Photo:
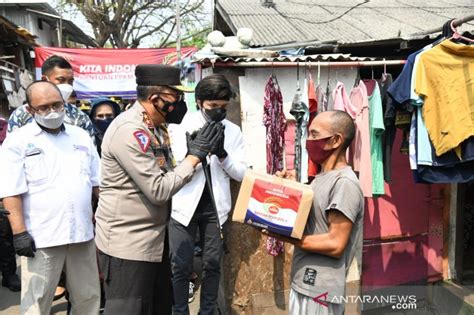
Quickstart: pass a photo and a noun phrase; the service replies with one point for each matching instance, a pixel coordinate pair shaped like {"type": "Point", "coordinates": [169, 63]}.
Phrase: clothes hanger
{"type": "Point", "coordinates": [458, 36]}
{"type": "Point", "coordinates": [310, 77]}
{"type": "Point", "coordinates": [298, 76]}
{"type": "Point", "coordinates": [319, 73]}
{"type": "Point", "coordinates": [384, 74]}
{"type": "Point", "coordinates": [357, 79]}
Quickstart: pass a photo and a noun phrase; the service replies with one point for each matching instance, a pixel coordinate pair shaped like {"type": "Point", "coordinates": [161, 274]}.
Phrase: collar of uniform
{"type": "Point", "coordinates": [37, 129]}
{"type": "Point", "coordinates": [138, 110]}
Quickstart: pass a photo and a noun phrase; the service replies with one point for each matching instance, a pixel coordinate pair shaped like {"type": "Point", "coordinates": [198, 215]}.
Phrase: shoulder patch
{"type": "Point", "coordinates": [143, 139]}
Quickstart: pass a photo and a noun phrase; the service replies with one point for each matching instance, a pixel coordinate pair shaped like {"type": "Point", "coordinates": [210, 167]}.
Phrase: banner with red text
{"type": "Point", "coordinates": [108, 72]}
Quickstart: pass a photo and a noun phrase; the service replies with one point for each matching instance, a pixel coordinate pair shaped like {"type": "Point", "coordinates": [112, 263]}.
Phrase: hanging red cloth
{"type": "Point", "coordinates": [274, 121]}
{"type": "Point", "coordinates": [313, 111]}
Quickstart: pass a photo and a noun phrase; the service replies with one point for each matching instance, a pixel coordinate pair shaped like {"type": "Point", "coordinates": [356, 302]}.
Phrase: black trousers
{"type": "Point", "coordinates": [7, 252]}
{"type": "Point", "coordinates": [182, 240]}
{"type": "Point", "coordinates": [136, 287]}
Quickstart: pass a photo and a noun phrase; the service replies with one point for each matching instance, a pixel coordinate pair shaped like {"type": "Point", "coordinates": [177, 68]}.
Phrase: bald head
{"type": "Point", "coordinates": [41, 93]}
{"type": "Point", "coordinates": [334, 122]}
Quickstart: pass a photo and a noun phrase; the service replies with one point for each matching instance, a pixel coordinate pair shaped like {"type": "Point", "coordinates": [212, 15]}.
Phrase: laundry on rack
{"type": "Point", "coordinates": [435, 85]}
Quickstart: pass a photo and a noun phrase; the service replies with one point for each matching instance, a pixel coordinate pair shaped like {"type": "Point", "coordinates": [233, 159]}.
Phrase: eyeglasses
{"type": "Point", "coordinates": [46, 109]}
{"type": "Point", "coordinates": [179, 96]}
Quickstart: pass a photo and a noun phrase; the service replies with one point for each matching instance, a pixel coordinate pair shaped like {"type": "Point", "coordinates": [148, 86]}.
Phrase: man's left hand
{"type": "Point", "coordinates": [218, 149]}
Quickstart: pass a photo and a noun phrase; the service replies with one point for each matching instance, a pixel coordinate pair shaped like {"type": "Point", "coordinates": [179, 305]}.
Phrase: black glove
{"type": "Point", "coordinates": [218, 148]}
{"type": "Point", "coordinates": [200, 145]}
{"type": "Point", "coordinates": [24, 244]}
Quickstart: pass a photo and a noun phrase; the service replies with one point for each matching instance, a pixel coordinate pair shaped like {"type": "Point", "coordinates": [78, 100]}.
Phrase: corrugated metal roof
{"type": "Point", "coordinates": [344, 21]}
{"type": "Point", "coordinates": [307, 58]}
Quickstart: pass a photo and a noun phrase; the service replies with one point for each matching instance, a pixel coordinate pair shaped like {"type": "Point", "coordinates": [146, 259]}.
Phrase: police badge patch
{"type": "Point", "coordinates": [143, 140]}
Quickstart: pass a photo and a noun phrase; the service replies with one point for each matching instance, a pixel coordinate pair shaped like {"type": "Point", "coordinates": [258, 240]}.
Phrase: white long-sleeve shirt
{"type": "Point", "coordinates": [185, 201]}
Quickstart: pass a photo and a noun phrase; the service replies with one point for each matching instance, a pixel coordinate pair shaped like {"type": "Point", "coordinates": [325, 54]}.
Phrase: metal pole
{"type": "Point", "coordinates": [60, 31]}
{"type": "Point", "coordinates": [178, 32]}
{"type": "Point", "coordinates": [58, 26]}
{"type": "Point", "coordinates": [456, 23]}
{"type": "Point", "coordinates": [278, 64]}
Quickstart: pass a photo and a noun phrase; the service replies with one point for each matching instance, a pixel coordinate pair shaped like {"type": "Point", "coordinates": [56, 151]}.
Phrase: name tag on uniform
{"type": "Point", "coordinates": [33, 152]}
{"type": "Point", "coordinates": [81, 148]}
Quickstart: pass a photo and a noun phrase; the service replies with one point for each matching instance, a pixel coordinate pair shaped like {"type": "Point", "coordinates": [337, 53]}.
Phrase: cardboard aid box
{"type": "Point", "coordinates": [276, 204]}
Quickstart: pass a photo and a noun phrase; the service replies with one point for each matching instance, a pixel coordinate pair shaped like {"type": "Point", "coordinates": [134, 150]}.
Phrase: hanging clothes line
{"type": "Point", "coordinates": [256, 64]}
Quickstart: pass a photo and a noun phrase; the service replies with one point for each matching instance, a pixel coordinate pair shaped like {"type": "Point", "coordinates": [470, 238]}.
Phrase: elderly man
{"type": "Point", "coordinates": [139, 177]}
{"type": "Point", "coordinates": [333, 232]}
{"type": "Point", "coordinates": [49, 172]}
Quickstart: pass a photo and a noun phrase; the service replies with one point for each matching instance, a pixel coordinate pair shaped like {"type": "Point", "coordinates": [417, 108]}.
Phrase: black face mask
{"type": "Point", "coordinates": [175, 111]}
{"type": "Point", "coordinates": [103, 124]}
{"type": "Point", "coordinates": [216, 114]}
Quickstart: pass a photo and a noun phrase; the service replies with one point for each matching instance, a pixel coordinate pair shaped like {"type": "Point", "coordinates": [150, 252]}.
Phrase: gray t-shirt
{"type": "Point", "coordinates": [315, 274]}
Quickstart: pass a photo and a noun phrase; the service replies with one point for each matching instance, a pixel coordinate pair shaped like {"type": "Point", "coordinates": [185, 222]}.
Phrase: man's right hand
{"type": "Point", "coordinates": [24, 244]}
{"type": "Point", "coordinates": [201, 144]}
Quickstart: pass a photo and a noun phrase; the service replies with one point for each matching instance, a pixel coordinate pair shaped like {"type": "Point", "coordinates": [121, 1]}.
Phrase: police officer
{"type": "Point", "coordinates": [139, 177]}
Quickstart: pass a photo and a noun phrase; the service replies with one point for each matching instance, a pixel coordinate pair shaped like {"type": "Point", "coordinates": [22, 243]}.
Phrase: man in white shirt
{"type": "Point", "coordinates": [192, 206]}
{"type": "Point", "coordinates": [49, 172]}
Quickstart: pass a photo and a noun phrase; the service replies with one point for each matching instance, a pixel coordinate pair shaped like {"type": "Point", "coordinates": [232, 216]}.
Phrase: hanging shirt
{"type": "Point", "coordinates": [377, 127]}
{"type": "Point", "coordinates": [412, 144]}
{"type": "Point", "coordinates": [425, 151]}
{"type": "Point", "coordinates": [329, 99]}
{"type": "Point", "coordinates": [360, 147]}
{"type": "Point", "coordinates": [444, 77]}
{"type": "Point", "coordinates": [322, 99]}
{"type": "Point", "coordinates": [342, 101]}
{"type": "Point", "coordinates": [390, 129]}
{"type": "Point", "coordinates": [400, 89]}
{"type": "Point", "coordinates": [423, 146]}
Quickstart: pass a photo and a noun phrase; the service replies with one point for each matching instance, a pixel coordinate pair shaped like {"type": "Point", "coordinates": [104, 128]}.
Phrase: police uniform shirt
{"type": "Point", "coordinates": [136, 189]}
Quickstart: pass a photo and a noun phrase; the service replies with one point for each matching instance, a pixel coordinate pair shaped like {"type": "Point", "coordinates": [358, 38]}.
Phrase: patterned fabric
{"type": "Point", "coordinates": [160, 143]}
{"type": "Point", "coordinates": [322, 99]}
{"type": "Point", "coordinates": [275, 123]}
{"type": "Point", "coordinates": [73, 116]}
